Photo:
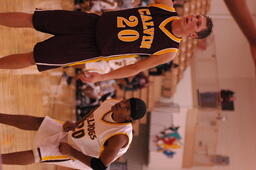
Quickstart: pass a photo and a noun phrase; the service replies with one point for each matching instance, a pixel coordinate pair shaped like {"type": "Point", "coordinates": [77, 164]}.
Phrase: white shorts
{"type": "Point", "coordinates": [47, 141]}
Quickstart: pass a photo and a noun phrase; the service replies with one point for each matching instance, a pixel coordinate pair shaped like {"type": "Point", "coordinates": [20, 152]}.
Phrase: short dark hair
{"type": "Point", "coordinates": [138, 108]}
{"type": "Point", "coordinates": [206, 32]}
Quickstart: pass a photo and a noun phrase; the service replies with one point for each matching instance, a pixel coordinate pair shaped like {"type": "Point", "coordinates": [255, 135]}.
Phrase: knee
{"type": "Point", "coordinates": [30, 20]}
{"type": "Point", "coordinates": [27, 19]}
{"type": "Point", "coordinates": [30, 58]}
{"type": "Point", "coordinates": [38, 122]}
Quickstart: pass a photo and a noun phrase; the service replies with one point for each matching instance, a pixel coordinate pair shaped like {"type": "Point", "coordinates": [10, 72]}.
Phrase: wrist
{"type": "Point", "coordinates": [71, 152]}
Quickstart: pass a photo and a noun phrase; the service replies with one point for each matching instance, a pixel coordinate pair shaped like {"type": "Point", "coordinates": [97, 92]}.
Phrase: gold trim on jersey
{"type": "Point", "coordinates": [110, 136]}
{"type": "Point", "coordinates": [166, 31]}
{"type": "Point", "coordinates": [167, 50]}
{"type": "Point", "coordinates": [103, 59]}
{"type": "Point", "coordinates": [164, 7]}
{"type": "Point", "coordinates": [59, 121]}
{"type": "Point", "coordinates": [52, 158]}
{"type": "Point", "coordinates": [112, 123]}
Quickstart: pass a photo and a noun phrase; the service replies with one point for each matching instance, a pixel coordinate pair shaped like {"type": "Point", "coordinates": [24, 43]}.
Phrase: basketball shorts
{"type": "Point", "coordinates": [46, 150]}
{"type": "Point", "coordinates": [73, 40]}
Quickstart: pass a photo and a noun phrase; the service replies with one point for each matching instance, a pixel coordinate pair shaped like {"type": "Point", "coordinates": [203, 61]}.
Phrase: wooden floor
{"type": "Point", "coordinates": [26, 91]}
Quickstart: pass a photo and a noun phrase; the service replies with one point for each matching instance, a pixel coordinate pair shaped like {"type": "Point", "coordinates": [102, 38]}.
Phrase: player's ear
{"type": "Point", "coordinates": [193, 35]}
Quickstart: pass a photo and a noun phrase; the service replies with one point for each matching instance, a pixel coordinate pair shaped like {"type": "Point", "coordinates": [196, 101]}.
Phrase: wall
{"type": "Point", "coordinates": [161, 119]}
{"type": "Point", "coordinates": [235, 71]}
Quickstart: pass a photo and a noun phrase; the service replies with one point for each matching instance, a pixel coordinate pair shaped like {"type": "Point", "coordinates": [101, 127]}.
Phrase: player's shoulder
{"type": "Point", "coordinates": [163, 6]}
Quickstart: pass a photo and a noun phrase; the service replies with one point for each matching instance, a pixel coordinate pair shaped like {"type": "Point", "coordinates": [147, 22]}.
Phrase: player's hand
{"type": "Point", "coordinates": [68, 126]}
{"type": "Point", "coordinates": [90, 77]}
{"type": "Point", "coordinates": [65, 148]}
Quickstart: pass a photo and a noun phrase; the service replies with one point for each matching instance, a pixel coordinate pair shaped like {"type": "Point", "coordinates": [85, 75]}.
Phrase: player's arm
{"type": "Point", "coordinates": [113, 145]}
{"type": "Point", "coordinates": [129, 70]}
{"type": "Point", "coordinates": [243, 17]}
{"type": "Point", "coordinates": [241, 13]}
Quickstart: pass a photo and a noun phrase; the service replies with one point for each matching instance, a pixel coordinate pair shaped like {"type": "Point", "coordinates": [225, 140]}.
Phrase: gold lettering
{"type": "Point", "coordinates": [146, 18]}
{"type": "Point", "coordinates": [128, 35]}
{"type": "Point", "coordinates": [149, 31]}
{"type": "Point", "coordinates": [148, 28]}
{"type": "Point", "coordinates": [145, 45]}
{"type": "Point", "coordinates": [144, 12]}
{"type": "Point", "coordinates": [147, 24]}
{"type": "Point", "coordinates": [123, 22]}
{"type": "Point", "coordinates": [146, 41]}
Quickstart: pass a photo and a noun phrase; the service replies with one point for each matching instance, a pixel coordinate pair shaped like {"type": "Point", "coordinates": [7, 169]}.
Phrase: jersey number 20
{"type": "Point", "coordinates": [127, 35]}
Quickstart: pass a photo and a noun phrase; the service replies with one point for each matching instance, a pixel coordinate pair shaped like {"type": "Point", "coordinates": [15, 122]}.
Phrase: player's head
{"type": "Point", "coordinates": [129, 110]}
{"type": "Point", "coordinates": [196, 26]}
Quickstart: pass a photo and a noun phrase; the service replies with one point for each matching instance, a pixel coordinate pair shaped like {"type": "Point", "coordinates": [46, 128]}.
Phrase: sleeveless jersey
{"type": "Point", "coordinates": [91, 135]}
{"type": "Point", "coordinates": [142, 31]}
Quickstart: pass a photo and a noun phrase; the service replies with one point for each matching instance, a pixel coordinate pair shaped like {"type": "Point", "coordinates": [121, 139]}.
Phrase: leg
{"type": "Point", "coordinates": [16, 19]}
{"type": "Point", "coordinates": [18, 158]}
{"type": "Point", "coordinates": [17, 61]}
{"type": "Point", "coordinates": [21, 121]}
{"type": "Point", "coordinates": [241, 13]}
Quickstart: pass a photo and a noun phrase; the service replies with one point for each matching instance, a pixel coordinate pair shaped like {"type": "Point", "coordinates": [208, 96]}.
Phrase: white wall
{"type": "Point", "coordinates": [159, 121]}
{"type": "Point", "coordinates": [183, 94]}
{"type": "Point", "coordinates": [237, 135]}
{"type": "Point", "coordinates": [162, 119]}
{"type": "Point", "coordinates": [236, 71]}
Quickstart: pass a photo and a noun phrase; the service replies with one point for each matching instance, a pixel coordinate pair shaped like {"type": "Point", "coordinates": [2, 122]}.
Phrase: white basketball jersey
{"type": "Point", "coordinates": [91, 135]}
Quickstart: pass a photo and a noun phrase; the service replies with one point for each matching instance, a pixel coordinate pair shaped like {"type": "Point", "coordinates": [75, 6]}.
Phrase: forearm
{"type": "Point", "coordinates": [122, 72]}
{"type": "Point", "coordinates": [81, 157]}
{"type": "Point", "coordinates": [243, 17]}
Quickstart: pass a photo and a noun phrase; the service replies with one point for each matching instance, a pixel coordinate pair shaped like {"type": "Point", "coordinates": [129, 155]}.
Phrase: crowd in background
{"type": "Point", "coordinates": [90, 95]}
{"type": "Point", "coordinates": [99, 6]}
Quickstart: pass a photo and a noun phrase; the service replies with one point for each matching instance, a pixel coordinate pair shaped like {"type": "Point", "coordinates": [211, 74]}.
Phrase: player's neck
{"type": "Point", "coordinates": [113, 116]}
{"type": "Point", "coordinates": [176, 28]}
{"type": "Point", "coordinates": [109, 117]}
{"type": "Point", "coordinates": [117, 120]}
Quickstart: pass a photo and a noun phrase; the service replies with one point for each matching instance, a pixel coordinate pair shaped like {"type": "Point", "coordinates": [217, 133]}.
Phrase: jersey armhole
{"type": "Point", "coordinates": [164, 7]}
{"type": "Point", "coordinates": [167, 50]}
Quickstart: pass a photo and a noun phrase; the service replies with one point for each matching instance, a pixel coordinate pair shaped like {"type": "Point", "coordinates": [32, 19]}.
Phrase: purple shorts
{"type": "Point", "coordinates": [74, 38]}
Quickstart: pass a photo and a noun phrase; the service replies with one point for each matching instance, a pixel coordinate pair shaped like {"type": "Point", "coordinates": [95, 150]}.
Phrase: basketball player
{"type": "Point", "coordinates": [94, 142]}
{"type": "Point", "coordinates": [155, 31]}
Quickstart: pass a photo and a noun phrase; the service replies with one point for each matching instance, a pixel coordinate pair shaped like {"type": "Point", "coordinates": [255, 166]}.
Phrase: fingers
{"type": "Point", "coordinates": [67, 129]}
{"type": "Point", "coordinates": [68, 126]}
{"type": "Point", "coordinates": [82, 77]}
{"type": "Point", "coordinates": [60, 147]}
{"type": "Point", "coordinates": [65, 148]}
{"type": "Point", "coordinates": [86, 77]}
{"type": "Point", "coordinates": [89, 77]}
